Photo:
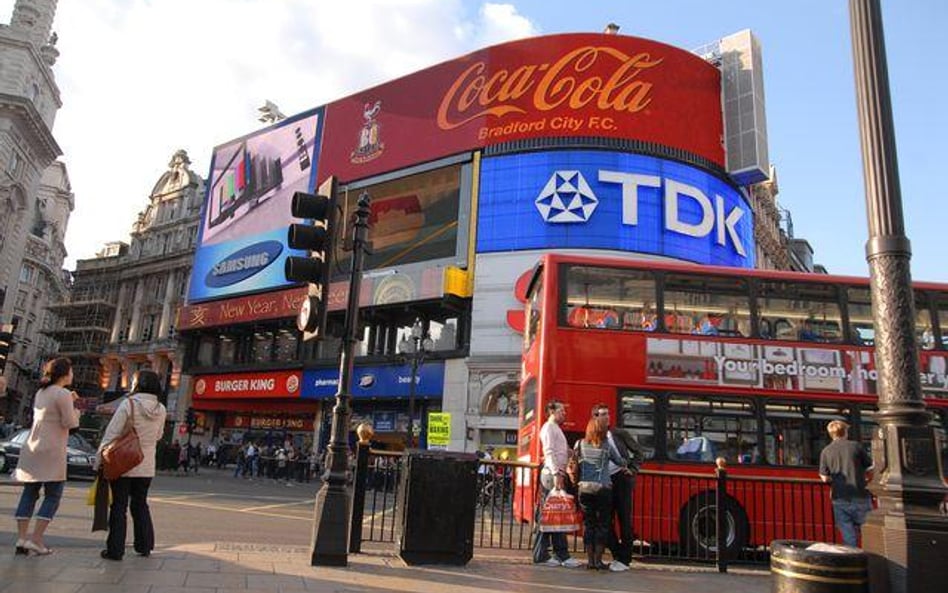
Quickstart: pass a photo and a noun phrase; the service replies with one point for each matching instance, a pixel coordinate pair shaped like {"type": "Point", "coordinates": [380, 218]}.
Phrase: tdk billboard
{"type": "Point", "coordinates": [589, 199]}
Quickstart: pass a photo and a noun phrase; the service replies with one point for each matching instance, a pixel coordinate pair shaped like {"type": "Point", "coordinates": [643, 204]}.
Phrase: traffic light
{"type": "Point", "coordinates": [190, 419]}
{"type": "Point", "coordinates": [316, 238]}
{"type": "Point", "coordinates": [6, 344]}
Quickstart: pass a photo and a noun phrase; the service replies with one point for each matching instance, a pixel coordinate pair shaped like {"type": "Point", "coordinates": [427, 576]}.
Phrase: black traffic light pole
{"type": "Point", "coordinates": [331, 521]}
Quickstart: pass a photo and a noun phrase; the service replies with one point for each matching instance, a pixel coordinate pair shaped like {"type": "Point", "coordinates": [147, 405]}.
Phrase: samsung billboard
{"type": "Point", "coordinates": [242, 237]}
{"type": "Point", "coordinates": [587, 199]}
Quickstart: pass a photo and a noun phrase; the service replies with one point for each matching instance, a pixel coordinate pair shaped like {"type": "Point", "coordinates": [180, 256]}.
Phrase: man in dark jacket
{"type": "Point", "coordinates": [623, 485]}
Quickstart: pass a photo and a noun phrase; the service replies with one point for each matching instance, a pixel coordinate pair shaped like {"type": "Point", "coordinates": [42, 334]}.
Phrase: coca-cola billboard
{"type": "Point", "coordinates": [571, 85]}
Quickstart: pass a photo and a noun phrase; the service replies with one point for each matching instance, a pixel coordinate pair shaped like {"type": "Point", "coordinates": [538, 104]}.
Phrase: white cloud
{"type": "Point", "coordinates": [141, 78]}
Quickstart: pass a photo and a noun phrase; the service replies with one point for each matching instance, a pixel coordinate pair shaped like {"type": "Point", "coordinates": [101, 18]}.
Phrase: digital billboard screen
{"type": "Point", "coordinates": [412, 219]}
{"type": "Point", "coordinates": [585, 199]}
{"type": "Point", "coordinates": [242, 236]}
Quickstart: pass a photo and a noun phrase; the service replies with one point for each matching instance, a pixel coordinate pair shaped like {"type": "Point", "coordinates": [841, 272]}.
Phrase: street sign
{"type": "Point", "coordinates": [439, 430]}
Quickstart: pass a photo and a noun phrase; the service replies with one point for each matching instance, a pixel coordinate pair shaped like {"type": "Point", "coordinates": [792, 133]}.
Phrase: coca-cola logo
{"type": "Point", "coordinates": [587, 77]}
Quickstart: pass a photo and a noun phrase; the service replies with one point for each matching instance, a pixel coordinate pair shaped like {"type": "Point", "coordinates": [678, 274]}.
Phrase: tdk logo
{"type": "Point", "coordinates": [566, 198]}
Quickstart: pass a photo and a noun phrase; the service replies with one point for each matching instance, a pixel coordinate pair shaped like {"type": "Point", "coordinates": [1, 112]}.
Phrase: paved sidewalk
{"type": "Point", "coordinates": [252, 568]}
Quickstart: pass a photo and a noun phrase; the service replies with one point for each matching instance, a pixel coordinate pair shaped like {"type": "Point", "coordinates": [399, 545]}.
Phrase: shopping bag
{"type": "Point", "coordinates": [102, 498]}
{"type": "Point", "coordinates": [90, 495]}
{"type": "Point", "coordinates": [558, 514]}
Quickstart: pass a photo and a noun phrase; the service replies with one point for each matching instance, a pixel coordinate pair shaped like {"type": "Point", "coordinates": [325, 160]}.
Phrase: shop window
{"type": "Point", "coordinates": [205, 351]}
{"type": "Point", "coordinates": [610, 298]}
{"type": "Point", "coordinates": [637, 416]}
{"type": "Point", "coordinates": [706, 305]}
{"type": "Point", "coordinates": [501, 400]}
{"type": "Point", "coordinates": [263, 346]}
{"type": "Point", "coordinates": [703, 428]}
{"type": "Point", "coordinates": [799, 311]}
{"type": "Point", "coordinates": [228, 351]}
{"type": "Point", "coordinates": [444, 335]}
{"type": "Point", "coordinates": [795, 432]}
{"type": "Point", "coordinates": [286, 344]}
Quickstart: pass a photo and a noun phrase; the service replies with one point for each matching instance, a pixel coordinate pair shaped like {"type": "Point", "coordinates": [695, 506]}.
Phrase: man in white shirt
{"type": "Point", "coordinates": [553, 476]}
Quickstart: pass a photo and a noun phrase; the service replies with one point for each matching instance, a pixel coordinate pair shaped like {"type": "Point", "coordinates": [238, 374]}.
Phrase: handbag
{"type": "Point", "coordinates": [123, 453]}
{"type": "Point", "coordinates": [558, 514]}
{"type": "Point", "coordinates": [592, 486]}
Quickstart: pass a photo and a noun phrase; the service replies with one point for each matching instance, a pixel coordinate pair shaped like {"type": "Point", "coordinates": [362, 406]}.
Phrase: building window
{"type": "Point", "coordinates": [20, 299]}
{"type": "Point", "coordinates": [26, 274]}
{"type": "Point", "coordinates": [148, 327]}
{"type": "Point", "coordinates": [501, 400]}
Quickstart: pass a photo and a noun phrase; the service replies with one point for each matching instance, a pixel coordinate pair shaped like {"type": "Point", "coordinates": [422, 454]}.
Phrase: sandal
{"type": "Point", "coordinates": [36, 549]}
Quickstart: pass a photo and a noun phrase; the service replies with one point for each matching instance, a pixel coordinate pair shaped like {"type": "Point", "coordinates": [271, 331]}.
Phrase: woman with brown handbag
{"type": "Point", "coordinates": [142, 413]}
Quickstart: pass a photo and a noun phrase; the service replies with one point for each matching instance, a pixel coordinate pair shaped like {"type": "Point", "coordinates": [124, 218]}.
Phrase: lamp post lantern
{"type": "Point", "coordinates": [907, 537]}
{"type": "Point", "coordinates": [331, 522]}
{"type": "Point", "coordinates": [415, 346]}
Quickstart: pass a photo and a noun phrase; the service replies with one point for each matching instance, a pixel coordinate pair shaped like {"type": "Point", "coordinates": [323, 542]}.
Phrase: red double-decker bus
{"type": "Point", "coordinates": [700, 363]}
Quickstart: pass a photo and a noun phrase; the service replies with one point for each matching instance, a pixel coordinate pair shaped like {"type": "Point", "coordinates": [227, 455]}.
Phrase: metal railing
{"type": "Point", "coordinates": [676, 516]}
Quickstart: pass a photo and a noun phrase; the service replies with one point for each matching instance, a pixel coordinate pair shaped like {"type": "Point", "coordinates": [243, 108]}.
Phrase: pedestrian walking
{"type": "Point", "coordinates": [42, 463]}
{"type": "Point", "coordinates": [844, 464]}
{"type": "Point", "coordinates": [553, 476]}
{"type": "Point", "coordinates": [147, 415]}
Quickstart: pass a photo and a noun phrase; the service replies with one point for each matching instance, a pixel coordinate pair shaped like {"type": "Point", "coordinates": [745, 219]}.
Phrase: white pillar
{"type": "Point", "coordinates": [134, 330]}
{"type": "Point", "coordinates": [119, 315]}
{"type": "Point", "coordinates": [167, 311]}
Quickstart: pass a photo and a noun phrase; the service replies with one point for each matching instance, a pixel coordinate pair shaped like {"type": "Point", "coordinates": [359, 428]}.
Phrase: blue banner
{"type": "Point", "coordinates": [588, 199]}
{"type": "Point", "coordinates": [388, 381]}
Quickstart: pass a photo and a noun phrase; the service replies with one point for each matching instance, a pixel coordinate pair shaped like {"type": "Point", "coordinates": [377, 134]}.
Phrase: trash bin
{"type": "Point", "coordinates": [437, 495]}
{"type": "Point", "coordinates": [811, 567]}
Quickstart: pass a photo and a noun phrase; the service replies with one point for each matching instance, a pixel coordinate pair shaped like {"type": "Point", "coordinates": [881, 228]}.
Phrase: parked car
{"type": "Point", "coordinates": [80, 455]}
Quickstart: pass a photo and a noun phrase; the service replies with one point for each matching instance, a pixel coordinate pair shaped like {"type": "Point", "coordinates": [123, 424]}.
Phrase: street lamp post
{"type": "Point", "coordinates": [415, 346]}
{"type": "Point", "coordinates": [907, 537]}
{"type": "Point", "coordinates": [331, 522]}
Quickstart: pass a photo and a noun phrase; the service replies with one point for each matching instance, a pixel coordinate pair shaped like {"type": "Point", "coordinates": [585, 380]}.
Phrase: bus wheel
{"type": "Point", "coordinates": [697, 527]}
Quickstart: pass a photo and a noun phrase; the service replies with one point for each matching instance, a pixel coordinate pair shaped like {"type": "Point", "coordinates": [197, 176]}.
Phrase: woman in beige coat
{"type": "Point", "coordinates": [131, 490]}
{"type": "Point", "coordinates": [42, 461]}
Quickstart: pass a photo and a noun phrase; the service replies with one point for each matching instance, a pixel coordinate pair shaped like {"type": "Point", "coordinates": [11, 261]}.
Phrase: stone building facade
{"type": "Point", "coordinates": [121, 314]}
{"type": "Point", "coordinates": [35, 194]}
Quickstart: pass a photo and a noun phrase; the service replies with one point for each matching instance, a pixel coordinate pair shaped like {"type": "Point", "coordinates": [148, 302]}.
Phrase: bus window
{"type": "Point", "coordinates": [803, 311]}
{"type": "Point", "coordinates": [706, 305]}
{"type": "Point", "coordinates": [924, 334]}
{"type": "Point", "coordinates": [638, 418]}
{"type": "Point", "coordinates": [534, 314]}
{"type": "Point", "coordinates": [702, 428]}
{"type": "Point", "coordinates": [867, 427]}
{"type": "Point", "coordinates": [941, 306]}
{"type": "Point", "coordinates": [528, 403]}
{"type": "Point", "coordinates": [610, 298]}
{"type": "Point", "coordinates": [860, 316]}
{"type": "Point", "coordinates": [795, 433]}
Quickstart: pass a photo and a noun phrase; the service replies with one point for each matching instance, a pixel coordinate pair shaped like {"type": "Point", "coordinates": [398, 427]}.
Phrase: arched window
{"type": "Point", "coordinates": [501, 400]}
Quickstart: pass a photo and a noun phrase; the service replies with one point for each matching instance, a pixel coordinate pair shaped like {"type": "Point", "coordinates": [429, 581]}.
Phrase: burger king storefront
{"type": "Point", "coordinates": [240, 406]}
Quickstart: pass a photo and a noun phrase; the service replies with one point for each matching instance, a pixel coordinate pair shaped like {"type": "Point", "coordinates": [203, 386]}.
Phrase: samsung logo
{"type": "Point", "coordinates": [243, 264]}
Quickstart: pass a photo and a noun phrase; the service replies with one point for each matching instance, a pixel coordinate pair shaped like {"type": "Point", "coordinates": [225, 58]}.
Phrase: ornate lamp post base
{"type": "Point", "coordinates": [332, 521]}
{"type": "Point", "coordinates": [907, 537]}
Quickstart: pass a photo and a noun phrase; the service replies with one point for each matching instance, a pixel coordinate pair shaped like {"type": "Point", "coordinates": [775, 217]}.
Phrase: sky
{"type": "Point", "coordinates": [140, 79]}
